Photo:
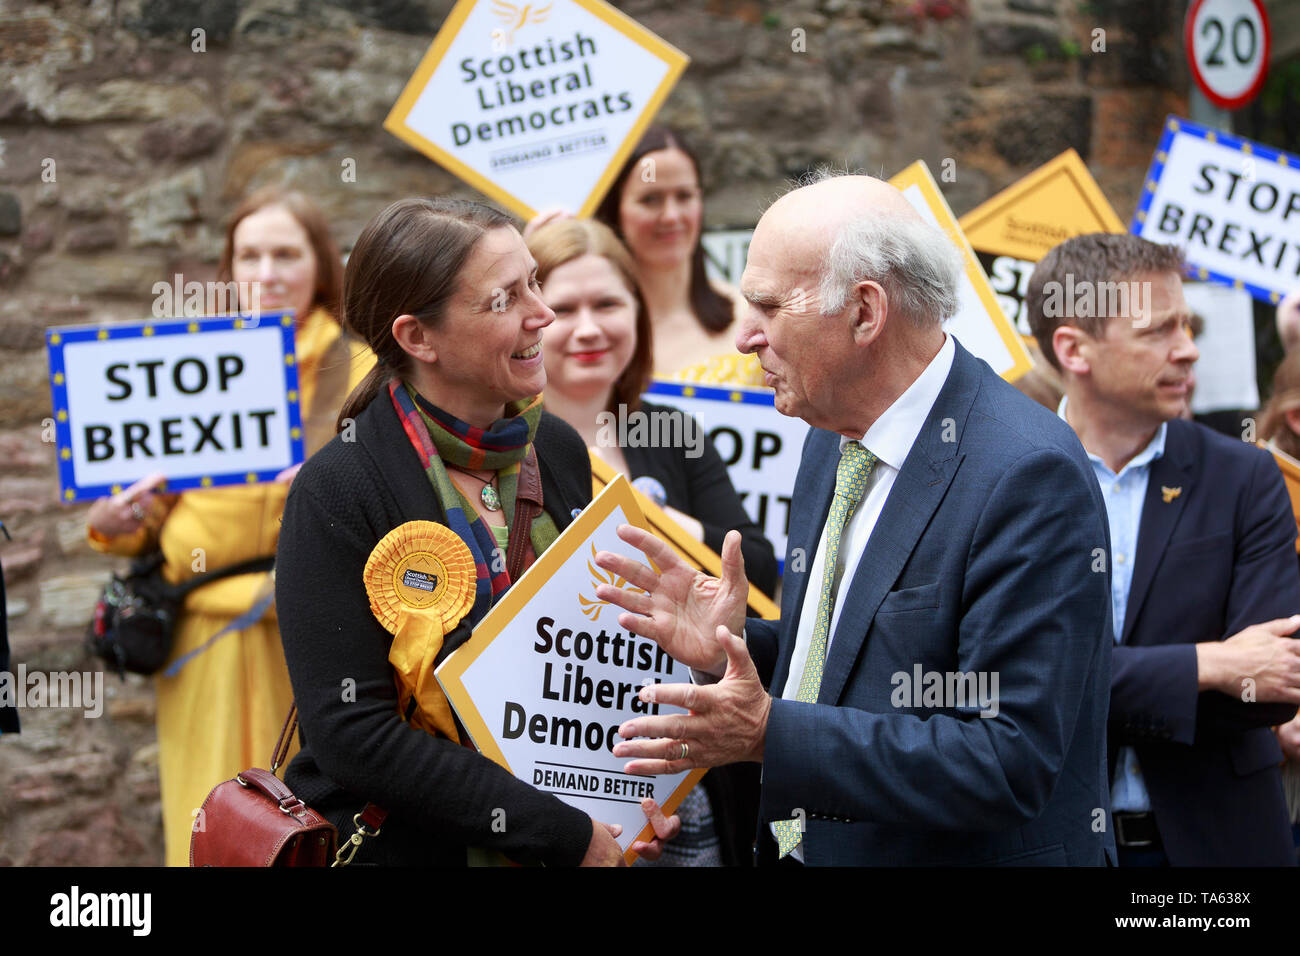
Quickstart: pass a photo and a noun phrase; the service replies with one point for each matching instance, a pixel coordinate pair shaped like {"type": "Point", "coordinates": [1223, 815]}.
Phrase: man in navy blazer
{"type": "Point", "coordinates": [1204, 576]}
{"type": "Point", "coordinates": [938, 678]}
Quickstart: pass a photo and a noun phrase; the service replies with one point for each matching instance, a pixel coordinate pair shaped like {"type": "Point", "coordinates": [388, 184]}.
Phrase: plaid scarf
{"type": "Point", "coordinates": [438, 436]}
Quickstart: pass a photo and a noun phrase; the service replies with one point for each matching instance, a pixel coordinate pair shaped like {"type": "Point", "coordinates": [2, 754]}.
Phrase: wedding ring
{"type": "Point", "coordinates": [137, 511]}
{"type": "Point", "coordinates": [686, 751]}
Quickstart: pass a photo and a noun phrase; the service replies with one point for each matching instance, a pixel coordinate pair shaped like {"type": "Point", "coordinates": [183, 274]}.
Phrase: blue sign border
{"type": "Point", "coordinates": [1175, 125]}
{"type": "Point", "coordinates": [744, 394]}
{"type": "Point", "coordinates": [57, 337]}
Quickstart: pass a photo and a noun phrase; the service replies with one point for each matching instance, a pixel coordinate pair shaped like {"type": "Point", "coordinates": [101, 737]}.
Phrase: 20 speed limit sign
{"type": "Point", "coordinates": [1227, 45]}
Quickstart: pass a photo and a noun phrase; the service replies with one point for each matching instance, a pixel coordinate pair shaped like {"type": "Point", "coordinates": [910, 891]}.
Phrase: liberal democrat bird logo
{"type": "Point", "coordinates": [1169, 494]}
{"type": "Point", "coordinates": [592, 608]}
{"type": "Point", "coordinates": [514, 17]}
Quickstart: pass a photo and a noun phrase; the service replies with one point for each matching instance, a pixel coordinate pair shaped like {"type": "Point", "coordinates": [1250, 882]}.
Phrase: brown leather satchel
{"type": "Point", "coordinates": [255, 820]}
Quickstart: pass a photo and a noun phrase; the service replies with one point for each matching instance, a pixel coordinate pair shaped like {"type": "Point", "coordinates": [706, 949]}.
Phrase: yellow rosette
{"type": "Point", "coordinates": [420, 579]}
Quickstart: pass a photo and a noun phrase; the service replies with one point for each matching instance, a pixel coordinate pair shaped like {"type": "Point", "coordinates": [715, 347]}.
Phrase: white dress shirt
{"type": "Point", "coordinates": [890, 439]}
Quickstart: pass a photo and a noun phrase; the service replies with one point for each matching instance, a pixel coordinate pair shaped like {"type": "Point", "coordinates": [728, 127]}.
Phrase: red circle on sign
{"type": "Point", "coordinates": [1213, 95]}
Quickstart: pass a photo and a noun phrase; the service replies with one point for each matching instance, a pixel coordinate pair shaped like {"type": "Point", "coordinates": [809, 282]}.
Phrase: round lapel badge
{"type": "Point", "coordinates": [424, 567]}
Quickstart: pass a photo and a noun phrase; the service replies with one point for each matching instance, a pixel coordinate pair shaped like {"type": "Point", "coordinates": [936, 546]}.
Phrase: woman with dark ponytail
{"type": "Point", "coordinates": [445, 438]}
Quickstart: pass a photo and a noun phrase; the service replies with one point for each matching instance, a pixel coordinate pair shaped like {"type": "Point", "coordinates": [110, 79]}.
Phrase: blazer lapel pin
{"type": "Point", "coordinates": [1169, 494]}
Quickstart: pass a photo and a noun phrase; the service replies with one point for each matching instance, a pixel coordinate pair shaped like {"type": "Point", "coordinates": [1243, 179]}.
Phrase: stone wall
{"type": "Point", "coordinates": [122, 148]}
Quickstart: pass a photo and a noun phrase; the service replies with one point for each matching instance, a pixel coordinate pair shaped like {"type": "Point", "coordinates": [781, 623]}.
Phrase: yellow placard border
{"type": "Point", "coordinates": [619, 493]}
{"type": "Point", "coordinates": [918, 174]}
{"type": "Point", "coordinates": [1069, 164]}
{"type": "Point", "coordinates": [395, 122]}
{"type": "Point", "coordinates": [693, 552]}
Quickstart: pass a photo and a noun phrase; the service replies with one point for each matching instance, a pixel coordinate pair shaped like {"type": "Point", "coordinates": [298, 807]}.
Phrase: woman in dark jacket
{"type": "Point", "coordinates": [443, 430]}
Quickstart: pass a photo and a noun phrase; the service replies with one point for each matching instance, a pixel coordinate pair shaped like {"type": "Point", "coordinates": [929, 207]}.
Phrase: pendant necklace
{"type": "Point", "coordinates": [491, 501]}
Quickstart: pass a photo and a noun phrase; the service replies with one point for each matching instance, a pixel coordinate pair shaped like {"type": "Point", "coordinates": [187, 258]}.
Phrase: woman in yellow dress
{"type": "Point", "coordinates": [222, 712]}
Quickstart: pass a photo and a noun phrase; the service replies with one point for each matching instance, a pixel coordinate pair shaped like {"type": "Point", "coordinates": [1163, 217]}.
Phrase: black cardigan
{"type": "Point", "coordinates": [441, 797]}
{"type": "Point", "coordinates": [701, 488]}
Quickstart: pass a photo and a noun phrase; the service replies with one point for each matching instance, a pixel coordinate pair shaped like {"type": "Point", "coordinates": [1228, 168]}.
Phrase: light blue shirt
{"type": "Point", "coordinates": [1124, 494]}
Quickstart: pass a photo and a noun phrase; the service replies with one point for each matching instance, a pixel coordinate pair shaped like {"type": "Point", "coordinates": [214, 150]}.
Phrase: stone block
{"type": "Point", "coordinates": [157, 211]}
{"type": "Point", "coordinates": [1013, 38]}
{"type": "Point", "coordinates": [21, 332]}
{"type": "Point", "coordinates": [1031, 130]}
{"type": "Point", "coordinates": [38, 238]}
{"type": "Point", "coordinates": [178, 18]}
{"type": "Point", "coordinates": [101, 838]}
{"type": "Point", "coordinates": [84, 773]}
{"type": "Point", "coordinates": [181, 140]}
{"type": "Point", "coordinates": [68, 600]}
{"type": "Point", "coordinates": [70, 532]}
{"type": "Point", "coordinates": [24, 390]}
{"type": "Point", "coordinates": [72, 279]}
{"type": "Point", "coordinates": [91, 237]}
{"type": "Point", "coordinates": [20, 559]}
{"type": "Point", "coordinates": [122, 99]}
{"type": "Point", "coordinates": [11, 215]}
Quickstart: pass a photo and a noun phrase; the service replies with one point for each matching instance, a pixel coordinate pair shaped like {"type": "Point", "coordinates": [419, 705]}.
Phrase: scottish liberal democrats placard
{"type": "Point", "coordinates": [548, 676]}
{"type": "Point", "coordinates": [536, 104]}
{"type": "Point", "coordinates": [206, 401]}
{"type": "Point", "coordinates": [1232, 204]}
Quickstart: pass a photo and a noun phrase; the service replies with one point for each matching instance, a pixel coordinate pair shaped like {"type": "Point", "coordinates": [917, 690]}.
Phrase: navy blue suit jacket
{"type": "Point", "coordinates": [985, 559]}
{"type": "Point", "coordinates": [1218, 557]}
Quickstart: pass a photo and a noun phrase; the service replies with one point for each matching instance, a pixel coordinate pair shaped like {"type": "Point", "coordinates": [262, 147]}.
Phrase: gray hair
{"type": "Point", "coordinates": [916, 264]}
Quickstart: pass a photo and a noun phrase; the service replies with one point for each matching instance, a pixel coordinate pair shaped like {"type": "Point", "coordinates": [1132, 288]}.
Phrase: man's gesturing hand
{"type": "Point", "coordinates": [681, 608]}
{"type": "Point", "coordinates": [727, 720]}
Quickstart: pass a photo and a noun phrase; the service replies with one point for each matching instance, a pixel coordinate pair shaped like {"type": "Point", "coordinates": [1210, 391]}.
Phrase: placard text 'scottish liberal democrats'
{"type": "Point", "coordinates": [549, 675]}
{"type": "Point", "coordinates": [205, 401]}
{"type": "Point", "coordinates": [535, 105]}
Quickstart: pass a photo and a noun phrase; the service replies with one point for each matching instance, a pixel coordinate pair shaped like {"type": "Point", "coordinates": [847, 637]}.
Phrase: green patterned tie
{"type": "Point", "coordinates": [851, 477]}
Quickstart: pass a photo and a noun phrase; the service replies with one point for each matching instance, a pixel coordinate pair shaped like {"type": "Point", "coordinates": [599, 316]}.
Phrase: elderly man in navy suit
{"type": "Point", "coordinates": [1203, 574]}
{"type": "Point", "coordinates": [935, 690]}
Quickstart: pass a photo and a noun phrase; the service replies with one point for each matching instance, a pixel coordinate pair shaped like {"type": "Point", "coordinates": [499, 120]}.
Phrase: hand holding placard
{"type": "Point", "coordinates": [124, 512]}
{"type": "Point", "coordinates": [603, 850]}
{"type": "Point", "coordinates": [681, 608]}
{"type": "Point", "coordinates": [665, 829]}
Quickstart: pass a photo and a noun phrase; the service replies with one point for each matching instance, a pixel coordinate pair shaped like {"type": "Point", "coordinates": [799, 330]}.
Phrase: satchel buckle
{"type": "Point", "coordinates": [295, 806]}
{"type": "Point", "coordinates": [348, 850]}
